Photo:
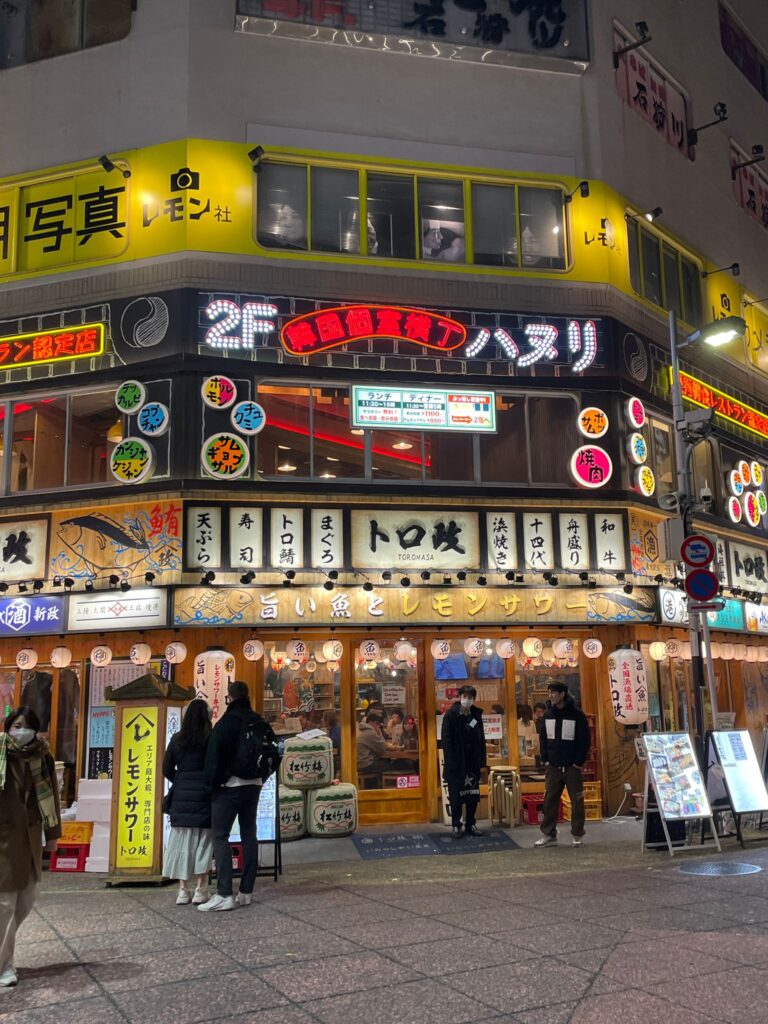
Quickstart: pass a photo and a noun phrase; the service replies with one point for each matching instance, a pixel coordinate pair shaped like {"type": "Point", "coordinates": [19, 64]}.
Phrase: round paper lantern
{"type": "Point", "coordinates": [562, 647]}
{"type": "Point", "coordinates": [253, 650]}
{"type": "Point", "coordinates": [592, 648]}
{"type": "Point", "coordinates": [61, 657]}
{"type": "Point", "coordinates": [715, 650]}
{"type": "Point", "coordinates": [26, 659]}
{"type": "Point", "coordinates": [369, 650]}
{"type": "Point", "coordinates": [727, 652]}
{"type": "Point", "coordinates": [532, 647]}
{"type": "Point", "coordinates": [101, 656]}
{"type": "Point", "coordinates": [402, 650]}
{"type": "Point", "coordinates": [333, 650]}
{"type": "Point", "coordinates": [296, 650]}
{"type": "Point", "coordinates": [762, 655]}
{"type": "Point", "coordinates": [752, 654]}
{"type": "Point", "coordinates": [213, 672]}
{"type": "Point", "coordinates": [658, 650]}
{"type": "Point", "coordinates": [311, 666]}
{"type": "Point", "coordinates": [672, 648]}
{"type": "Point", "coordinates": [175, 653]}
{"type": "Point", "coordinates": [685, 651]}
{"type": "Point", "coordinates": [473, 647]}
{"type": "Point", "coordinates": [547, 654]}
{"type": "Point", "coordinates": [440, 649]}
{"type": "Point", "coordinates": [629, 686]}
{"type": "Point", "coordinates": [140, 654]}
{"type": "Point", "coordinates": [505, 648]}
{"type": "Point", "coordinates": [739, 651]}
{"type": "Point", "coordinates": [277, 658]}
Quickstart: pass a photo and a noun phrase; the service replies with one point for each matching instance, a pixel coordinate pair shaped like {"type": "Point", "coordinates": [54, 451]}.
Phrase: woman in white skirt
{"type": "Point", "coordinates": [190, 847]}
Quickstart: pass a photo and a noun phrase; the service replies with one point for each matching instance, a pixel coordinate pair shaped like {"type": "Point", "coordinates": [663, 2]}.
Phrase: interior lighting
{"type": "Point", "coordinates": [735, 269]}
{"type": "Point", "coordinates": [402, 446]}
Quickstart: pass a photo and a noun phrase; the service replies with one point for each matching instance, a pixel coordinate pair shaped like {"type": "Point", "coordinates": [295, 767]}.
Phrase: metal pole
{"type": "Point", "coordinates": [710, 668]}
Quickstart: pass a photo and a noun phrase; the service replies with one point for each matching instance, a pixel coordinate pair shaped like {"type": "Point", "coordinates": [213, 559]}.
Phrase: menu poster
{"type": "Point", "coordinates": [266, 811]}
{"type": "Point", "coordinates": [676, 775]}
{"type": "Point", "coordinates": [742, 772]}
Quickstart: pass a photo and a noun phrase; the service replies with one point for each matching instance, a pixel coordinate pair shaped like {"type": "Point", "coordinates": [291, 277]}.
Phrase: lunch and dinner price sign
{"type": "Point", "coordinates": [424, 409]}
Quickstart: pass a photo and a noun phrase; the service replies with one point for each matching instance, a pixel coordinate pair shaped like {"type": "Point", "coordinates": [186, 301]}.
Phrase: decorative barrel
{"type": "Point", "coordinates": [332, 811]}
{"type": "Point", "coordinates": [293, 815]}
{"type": "Point", "coordinates": [307, 764]}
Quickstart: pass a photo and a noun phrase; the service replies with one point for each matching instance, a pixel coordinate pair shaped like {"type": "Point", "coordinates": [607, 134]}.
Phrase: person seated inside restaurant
{"type": "Point", "coordinates": [332, 727]}
{"type": "Point", "coordinates": [395, 727]}
{"type": "Point", "coordinates": [371, 745]}
{"type": "Point", "coordinates": [409, 739]}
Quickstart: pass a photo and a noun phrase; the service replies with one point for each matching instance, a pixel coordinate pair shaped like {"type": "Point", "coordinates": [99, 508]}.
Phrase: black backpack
{"type": "Point", "coordinates": [256, 756]}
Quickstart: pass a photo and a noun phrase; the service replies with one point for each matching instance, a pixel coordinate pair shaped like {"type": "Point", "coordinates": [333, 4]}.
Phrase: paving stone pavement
{"type": "Point", "coordinates": [528, 937]}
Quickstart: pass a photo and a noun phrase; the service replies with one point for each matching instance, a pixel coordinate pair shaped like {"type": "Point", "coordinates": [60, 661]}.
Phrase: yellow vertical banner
{"type": "Point", "coordinates": [137, 781]}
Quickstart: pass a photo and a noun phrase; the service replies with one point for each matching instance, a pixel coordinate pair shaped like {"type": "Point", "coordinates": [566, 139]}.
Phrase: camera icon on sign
{"type": "Point", "coordinates": [185, 179]}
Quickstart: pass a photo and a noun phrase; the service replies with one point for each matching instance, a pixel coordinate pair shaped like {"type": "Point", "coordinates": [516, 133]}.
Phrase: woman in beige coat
{"type": "Point", "coordinates": [29, 807]}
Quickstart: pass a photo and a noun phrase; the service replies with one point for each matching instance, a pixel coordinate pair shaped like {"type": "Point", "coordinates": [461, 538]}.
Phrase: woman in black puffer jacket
{"type": "Point", "coordinates": [190, 848]}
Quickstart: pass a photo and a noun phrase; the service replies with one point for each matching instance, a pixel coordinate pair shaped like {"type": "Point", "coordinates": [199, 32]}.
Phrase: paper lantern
{"type": "Point", "coordinates": [296, 650]}
{"type": "Point", "coordinates": [739, 651]}
{"type": "Point", "coordinates": [752, 655]}
{"type": "Point", "coordinates": [686, 652]}
{"type": "Point", "coordinates": [214, 671]}
{"type": "Point", "coordinates": [403, 650]}
{"type": "Point", "coordinates": [61, 657]}
{"type": "Point", "coordinates": [547, 654]}
{"type": "Point", "coordinates": [592, 648]}
{"type": "Point", "coordinates": [101, 656]}
{"type": "Point", "coordinates": [762, 655]}
{"type": "Point", "coordinates": [333, 650]}
{"type": "Point", "coordinates": [277, 658]}
{"type": "Point", "coordinates": [440, 649]}
{"type": "Point", "coordinates": [562, 647]}
{"type": "Point", "coordinates": [175, 653]}
{"type": "Point", "coordinates": [369, 650]}
{"type": "Point", "coordinates": [140, 654]}
{"type": "Point", "coordinates": [26, 659]}
{"type": "Point", "coordinates": [629, 686]}
{"type": "Point", "coordinates": [715, 650]}
{"type": "Point", "coordinates": [473, 647]}
{"type": "Point", "coordinates": [505, 648]}
{"type": "Point", "coordinates": [673, 648]}
{"type": "Point", "coordinates": [532, 647]}
{"type": "Point", "coordinates": [253, 650]}
{"type": "Point", "coordinates": [658, 650]}
{"type": "Point", "coordinates": [727, 652]}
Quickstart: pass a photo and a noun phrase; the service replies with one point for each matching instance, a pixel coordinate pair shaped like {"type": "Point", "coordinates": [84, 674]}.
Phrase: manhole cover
{"type": "Point", "coordinates": [715, 868]}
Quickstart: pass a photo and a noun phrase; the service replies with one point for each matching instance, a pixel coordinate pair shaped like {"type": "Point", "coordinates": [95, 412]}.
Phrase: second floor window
{"type": "Point", "coordinates": [662, 274]}
{"type": "Point", "coordinates": [32, 30]}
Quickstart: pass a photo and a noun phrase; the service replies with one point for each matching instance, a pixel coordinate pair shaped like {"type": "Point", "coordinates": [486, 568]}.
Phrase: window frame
{"type": "Point", "coordinates": [636, 232]}
{"type": "Point", "coordinates": [80, 18]}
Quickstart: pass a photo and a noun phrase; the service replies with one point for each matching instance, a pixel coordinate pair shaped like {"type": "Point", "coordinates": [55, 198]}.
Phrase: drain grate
{"type": "Point", "coordinates": [719, 868]}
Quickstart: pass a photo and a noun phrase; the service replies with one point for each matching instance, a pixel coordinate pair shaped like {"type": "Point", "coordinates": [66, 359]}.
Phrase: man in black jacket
{"type": "Point", "coordinates": [463, 741]}
{"type": "Point", "coordinates": [564, 743]}
{"type": "Point", "coordinates": [234, 796]}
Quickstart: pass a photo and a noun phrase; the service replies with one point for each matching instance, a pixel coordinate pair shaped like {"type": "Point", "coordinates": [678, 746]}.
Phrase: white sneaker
{"type": "Point", "coordinates": [578, 840]}
{"type": "Point", "coordinates": [201, 896]}
{"type": "Point", "coordinates": [243, 899]}
{"type": "Point", "coordinates": [217, 902]}
{"type": "Point", "coordinates": [8, 978]}
{"type": "Point", "coordinates": [546, 841]}
{"type": "Point", "coordinates": [183, 897]}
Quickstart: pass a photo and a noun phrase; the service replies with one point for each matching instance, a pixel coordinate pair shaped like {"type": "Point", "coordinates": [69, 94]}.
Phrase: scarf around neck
{"type": "Point", "coordinates": [34, 754]}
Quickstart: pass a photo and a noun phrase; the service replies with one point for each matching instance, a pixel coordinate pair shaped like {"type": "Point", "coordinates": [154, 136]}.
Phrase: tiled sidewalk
{"type": "Point", "coordinates": [527, 937]}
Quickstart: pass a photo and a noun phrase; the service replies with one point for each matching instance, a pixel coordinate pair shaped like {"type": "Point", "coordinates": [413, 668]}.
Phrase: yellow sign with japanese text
{"type": "Point", "coordinates": [138, 778]}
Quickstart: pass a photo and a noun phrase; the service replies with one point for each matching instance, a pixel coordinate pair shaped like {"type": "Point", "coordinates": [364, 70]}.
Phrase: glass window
{"type": "Point", "coordinates": [651, 268]}
{"type": "Point", "coordinates": [488, 675]}
{"type": "Point", "coordinates": [504, 455]}
{"type": "Point", "coordinates": [448, 456]}
{"type": "Point", "coordinates": [54, 28]}
{"type": "Point", "coordinates": [37, 451]}
{"type": "Point", "coordinates": [282, 206]}
{"type": "Point", "coordinates": [337, 451]}
{"type": "Point", "coordinates": [671, 280]}
{"type": "Point", "coordinates": [634, 259]}
{"type": "Point", "coordinates": [105, 21]}
{"type": "Point", "coordinates": [494, 225]}
{"type": "Point", "coordinates": [441, 221]}
{"type": "Point", "coordinates": [541, 228]}
{"type": "Point", "coordinates": [391, 227]}
{"type": "Point", "coordinates": [284, 444]}
{"type": "Point", "coordinates": [387, 740]}
{"type": "Point", "coordinates": [397, 455]}
{"type": "Point", "coordinates": [703, 464]}
{"type": "Point", "coordinates": [691, 293]}
{"type": "Point", "coordinates": [95, 428]}
{"type": "Point", "coordinates": [662, 454]}
{"type": "Point", "coordinates": [33, 30]}
{"type": "Point", "coordinates": [549, 417]}
{"type": "Point", "coordinates": [335, 210]}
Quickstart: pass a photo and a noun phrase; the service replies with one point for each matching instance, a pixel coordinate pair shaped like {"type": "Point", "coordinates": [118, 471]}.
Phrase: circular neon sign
{"type": "Point", "coordinates": [591, 466]}
{"type": "Point", "coordinates": [637, 447]}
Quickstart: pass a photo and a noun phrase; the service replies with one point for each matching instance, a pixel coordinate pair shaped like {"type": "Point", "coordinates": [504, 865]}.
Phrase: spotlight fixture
{"type": "Point", "coordinates": [641, 27]}
{"type": "Point", "coordinates": [546, 575]}
{"type": "Point", "coordinates": [207, 578]}
{"type": "Point", "coordinates": [649, 215]}
{"type": "Point", "coordinates": [482, 581]}
{"type": "Point", "coordinates": [405, 581]}
{"type": "Point", "coordinates": [57, 581]}
{"type": "Point", "coordinates": [621, 576]}
{"type": "Point", "coordinates": [328, 585]}
{"type": "Point", "coordinates": [149, 578]}
{"type": "Point", "coordinates": [584, 577]}
{"type": "Point", "coordinates": [721, 114]}
{"type": "Point", "coordinates": [519, 578]}
{"type": "Point", "coordinates": [3, 588]}
{"type": "Point", "coordinates": [68, 583]}
{"type": "Point", "coordinates": [248, 577]}
{"type": "Point", "coordinates": [735, 269]}
{"type": "Point", "coordinates": [758, 155]}
{"type": "Point", "coordinates": [113, 581]}
{"type": "Point", "coordinates": [426, 575]}
{"type": "Point", "coordinates": [125, 586]}
{"type": "Point", "coordinates": [509, 577]}
{"type": "Point", "coordinates": [386, 576]}
{"type": "Point", "coordinates": [110, 166]}
{"type": "Point", "coordinates": [22, 588]}
{"type": "Point", "coordinates": [753, 302]}
{"type": "Point", "coordinates": [628, 588]}
{"type": "Point", "coordinates": [37, 586]}
{"type": "Point", "coordinates": [447, 581]}
{"type": "Point", "coordinates": [658, 579]}
{"type": "Point", "coordinates": [593, 584]}
{"type": "Point", "coordinates": [553, 581]}
{"type": "Point", "coordinates": [255, 155]}
{"type": "Point", "coordinates": [367, 586]}
{"type": "Point", "coordinates": [461, 576]}
{"type": "Point", "coordinates": [89, 586]}
{"type": "Point", "coordinates": [333, 574]}
{"type": "Point", "coordinates": [582, 188]}
{"type": "Point", "coordinates": [290, 574]}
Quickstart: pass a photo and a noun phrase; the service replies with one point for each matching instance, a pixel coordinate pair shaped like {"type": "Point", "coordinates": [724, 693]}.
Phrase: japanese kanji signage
{"type": "Point", "coordinates": [538, 543]}
{"type": "Point", "coordinates": [424, 408]}
{"type": "Point", "coordinates": [23, 616]}
{"type": "Point", "coordinates": [501, 537]}
{"type": "Point", "coordinates": [287, 538]}
{"type": "Point", "coordinates": [132, 460]}
{"type": "Point", "coordinates": [609, 542]}
{"type": "Point", "coordinates": [330, 328]}
{"type": "Point", "coordinates": [55, 346]}
{"type": "Point", "coordinates": [629, 686]}
{"type": "Point", "coordinates": [409, 540]}
{"type": "Point", "coordinates": [137, 779]}
{"type": "Point", "coordinates": [214, 671]}
{"type": "Point", "coordinates": [327, 538]}
{"type": "Point", "coordinates": [136, 609]}
{"type": "Point", "coordinates": [225, 456]}
{"type": "Point", "coordinates": [204, 537]}
{"type": "Point", "coordinates": [245, 537]}
{"type": "Point", "coordinates": [749, 567]}
{"type": "Point", "coordinates": [730, 409]}
{"type": "Point", "coordinates": [23, 546]}
{"type": "Point", "coordinates": [649, 93]}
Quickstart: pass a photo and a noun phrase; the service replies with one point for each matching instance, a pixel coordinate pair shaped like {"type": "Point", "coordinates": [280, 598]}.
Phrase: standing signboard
{"type": "Point", "coordinates": [268, 828]}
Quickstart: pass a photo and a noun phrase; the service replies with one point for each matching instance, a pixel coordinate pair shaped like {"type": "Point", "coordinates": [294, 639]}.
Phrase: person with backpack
{"type": "Point", "coordinates": [242, 753]}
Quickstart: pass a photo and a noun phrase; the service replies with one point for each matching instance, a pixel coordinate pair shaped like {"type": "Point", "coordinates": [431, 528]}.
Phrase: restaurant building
{"type": "Point", "coordinates": [242, 437]}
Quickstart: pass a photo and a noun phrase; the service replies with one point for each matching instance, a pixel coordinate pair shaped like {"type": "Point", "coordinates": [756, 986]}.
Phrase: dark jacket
{"type": "Point", "coordinates": [225, 739]}
{"type": "Point", "coordinates": [21, 826]}
{"type": "Point", "coordinates": [191, 800]}
{"type": "Point", "coordinates": [463, 743]}
{"type": "Point", "coordinates": [572, 749]}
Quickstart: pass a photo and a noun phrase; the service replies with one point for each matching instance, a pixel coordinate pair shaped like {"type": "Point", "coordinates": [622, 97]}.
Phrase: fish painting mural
{"type": "Point", "coordinates": [213, 607]}
{"type": "Point", "coordinates": [126, 541]}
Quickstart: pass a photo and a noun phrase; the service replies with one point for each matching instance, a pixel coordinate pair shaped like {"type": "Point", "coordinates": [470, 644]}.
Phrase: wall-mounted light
{"type": "Point", "coordinates": [481, 581]}
{"type": "Point", "coordinates": [37, 586]}
{"type": "Point", "coordinates": [125, 586]}
{"type": "Point", "coordinates": [206, 580]}
{"type": "Point", "coordinates": [367, 586]}
{"type": "Point", "coordinates": [582, 188]}
{"type": "Point", "coordinates": [113, 581]}
{"type": "Point", "coordinates": [734, 268]}
{"type": "Point", "coordinates": [110, 166]}
{"type": "Point", "coordinates": [149, 578]}
{"type": "Point", "coordinates": [328, 585]}
{"type": "Point", "coordinates": [3, 588]}
{"type": "Point", "coordinates": [68, 583]}
{"type": "Point", "coordinates": [386, 576]}
{"type": "Point", "coordinates": [641, 27]}
{"type": "Point", "coordinates": [753, 302]}
{"type": "Point", "coordinates": [405, 581]}
{"type": "Point", "coordinates": [649, 215]}
{"type": "Point", "coordinates": [89, 586]}
{"type": "Point", "coordinates": [255, 155]}
{"type": "Point", "coordinates": [758, 155]}
{"type": "Point", "coordinates": [248, 577]}
{"type": "Point", "coordinates": [721, 114]}
{"type": "Point", "coordinates": [426, 575]}
{"type": "Point", "coordinates": [22, 588]}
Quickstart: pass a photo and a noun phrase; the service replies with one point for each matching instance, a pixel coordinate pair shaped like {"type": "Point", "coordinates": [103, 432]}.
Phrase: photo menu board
{"type": "Point", "coordinates": [738, 760]}
{"type": "Point", "coordinates": [677, 778]}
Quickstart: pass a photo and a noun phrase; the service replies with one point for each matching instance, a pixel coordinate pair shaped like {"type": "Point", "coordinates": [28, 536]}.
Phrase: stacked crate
{"type": "Point", "coordinates": [593, 802]}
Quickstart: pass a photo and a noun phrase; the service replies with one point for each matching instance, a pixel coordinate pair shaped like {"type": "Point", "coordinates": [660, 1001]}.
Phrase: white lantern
{"type": "Point", "coordinates": [739, 651]}
{"type": "Point", "coordinates": [175, 653]}
{"type": "Point", "coordinates": [752, 655]}
{"type": "Point", "coordinates": [296, 650]}
{"type": "Point", "coordinates": [762, 655]}
{"type": "Point", "coordinates": [26, 659]}
{"type": "Point", "coordinates": [592, 648]}
{"type": "Point", "coordinates": [715, 650]}
{"type": "Point", "coordinates": [101, 656]}
{"type": "Point", "coordinates": [369, 650]}
{"type": "Point", "coordinates": [333, 650]}
{"type": "Point", "coordinates": [402, 651]}
{"type": "Point", "coordinates": [727, 652]}
{"type": "Point", "coordinates": [140, 654]}
{"type": "Point", "coordinates": [440, 649]}
{"type": "Point", "coordinates": [673, 648]}
{"type": "Point", "coordinates": [253, 650]}
{"type": "Point", "coordinates": [685, 651]}
{"type": "Point", "coordinates": [214, 671]}
{"type": "Point", "coordinates": [505, 648]}
{"type": "Point", "coordinates": [61, 657]}
{"type": "Point", "coordinates": [533, 647]}
{"type": "Point", "coordinates": [473, 646]}
{"type": "Point", "coordinates": [629, 686]}
{"type": "Point", "coordinates": [658, 650]}
{"type": "Point", "coordinates": [547, 654]}
{"type": "Point", "coordinates": [562, 647]}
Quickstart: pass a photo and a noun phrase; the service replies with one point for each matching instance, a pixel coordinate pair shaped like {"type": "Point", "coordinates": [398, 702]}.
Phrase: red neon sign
{"type": "Point", "coordinates": [732, 409]}
{"type": "Point", "coordinates": [57, 346]}
{"type": "Point", "coordinates": [343, 325]}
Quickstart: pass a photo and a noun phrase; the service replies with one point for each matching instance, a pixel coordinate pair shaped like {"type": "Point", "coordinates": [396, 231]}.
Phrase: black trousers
{"type": "Point", "coordinates": [456, 799]}
{"type": "Point", "coordinates": [229, 803]}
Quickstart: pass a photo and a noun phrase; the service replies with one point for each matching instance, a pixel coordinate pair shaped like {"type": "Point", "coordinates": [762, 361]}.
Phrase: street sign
{"type": "Point", "coordinates": [706, 606]}
{"type": "Point", "coordinates": [697, 551]}
{"type": "Point", "coordinates": [702, 585]}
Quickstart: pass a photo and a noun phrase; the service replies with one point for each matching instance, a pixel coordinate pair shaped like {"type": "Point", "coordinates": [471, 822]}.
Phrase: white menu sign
{"type": "Point", "coordinates": [737, 757]}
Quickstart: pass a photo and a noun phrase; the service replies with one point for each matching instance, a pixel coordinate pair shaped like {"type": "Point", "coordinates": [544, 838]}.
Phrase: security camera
{"type": "Point", "coordinates": [721, 111]}
{"type": "Point", "coordinates": [706, 498]}
{"type": "Point", "coordinates": [641, 27]}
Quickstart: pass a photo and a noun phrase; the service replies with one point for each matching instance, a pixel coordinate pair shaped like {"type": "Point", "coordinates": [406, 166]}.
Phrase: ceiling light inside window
{"type": "Point", "coordinates": [402, 446]}
{"type": "Point", "coordinates": [287, 467]}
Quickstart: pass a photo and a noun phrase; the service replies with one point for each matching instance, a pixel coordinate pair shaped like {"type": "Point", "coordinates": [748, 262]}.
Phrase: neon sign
{"type": "Point", "coordinates": [60, 345]}
{"type": "Point", "coordinates": [324, 329]}
{"type": "Point", "coordinates": [731, 409]}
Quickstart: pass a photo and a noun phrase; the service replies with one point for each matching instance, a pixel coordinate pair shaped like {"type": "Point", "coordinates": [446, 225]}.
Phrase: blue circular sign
{"type": "Point", "coordinates": [248, 418]}
{"type": "Point", "coordinates": [701, 585]}
{"type": "Point", "coordinates": [154, 419]}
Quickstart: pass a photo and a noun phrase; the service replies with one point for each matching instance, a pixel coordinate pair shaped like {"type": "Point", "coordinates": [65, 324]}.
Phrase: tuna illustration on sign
{"type": "Point", "coordinates": [213, 606]}
{"type": "Point", "coordinates": [94, 544]}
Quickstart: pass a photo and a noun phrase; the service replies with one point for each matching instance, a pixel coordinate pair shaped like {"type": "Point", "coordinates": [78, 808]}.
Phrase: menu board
{"type": "Point", "coordinates": [424, 409]}
{"type": "Point", "coordinates": [676, 775]}
{"type": "Point", "coordinates": [738, 760]}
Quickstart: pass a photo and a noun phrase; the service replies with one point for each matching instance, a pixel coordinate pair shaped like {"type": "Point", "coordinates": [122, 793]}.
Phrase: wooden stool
{"type": "Point", "coordinates": [368, 780]}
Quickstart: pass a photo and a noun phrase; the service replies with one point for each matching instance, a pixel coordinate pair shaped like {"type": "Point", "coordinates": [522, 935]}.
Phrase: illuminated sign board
{"type": "Point", "coordinates": [329, 328]}
{"type": "Point", "coordinates": [51, 346]}
{"type": "Point", "coordinates": [731, 409]}
{"type": "Point", "coordinates": [424, 409]}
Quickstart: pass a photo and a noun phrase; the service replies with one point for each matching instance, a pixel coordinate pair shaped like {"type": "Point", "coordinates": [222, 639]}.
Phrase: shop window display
{"type": "Point", "coordinates": [387, 720]}
{"type": "Point", "coordinates": [533, 676]}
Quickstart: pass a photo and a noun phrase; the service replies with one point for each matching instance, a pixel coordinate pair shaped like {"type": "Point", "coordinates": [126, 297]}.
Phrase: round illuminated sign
{"type": "Point", "coordinates": [736, 483]}
{"type": "Point", "coordinates": [248, 418]}
{"type": "Point", "coordinates": [734, 509]}
{"type": "Point", "coordinates": [762, 502]}
{"type": "Point", "coordinates": [130, 397]}
{"type": "Point", "coordinates": [744, 470]}
{"type": "Point", "coordinates": [635, 412]}
{"type": "Point", "coordinates": [225, 456]}
{"type": "Point", "coordinates": [591, 466]}
{"type": "Point", "coordinates": [637, 448]}
{"type": "Point", "coordinates": [253, 650]}
{"type": "Point", "coordinates": [132, 461]}
{"type": "Point", "coordinates": [218, 392]}
{"type": "Point", "coordinates": [153, 419]}
{"type": "Point", "coordinates": [645, 481]}
{"type": "Point", "coordinates": [592, 422]}
{"type": "Point", "coordinates": [757, 473]}
{"type": "Point", "coordinates": [751, 508]}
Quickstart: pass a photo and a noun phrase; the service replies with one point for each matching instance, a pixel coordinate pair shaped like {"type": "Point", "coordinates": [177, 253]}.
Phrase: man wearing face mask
{"type": "Point", "coordinates": [29, 807]}
{"type": "Point", "coordinates": [564, 742]}
{"type": "Point", "coordinates": [463, 742]}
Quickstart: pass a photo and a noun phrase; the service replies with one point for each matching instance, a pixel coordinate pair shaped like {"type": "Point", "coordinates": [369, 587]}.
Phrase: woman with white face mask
{"type": "Point", "coordinates": [29, 807]}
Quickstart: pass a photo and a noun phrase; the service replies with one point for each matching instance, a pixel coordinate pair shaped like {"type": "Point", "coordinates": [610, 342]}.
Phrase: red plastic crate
{"type": "Point", "coordinates": [237, 857]}
{"type": "Point", "coordinates": [533, 809]}
{"type": "Point", "coordinates": [70, 857]}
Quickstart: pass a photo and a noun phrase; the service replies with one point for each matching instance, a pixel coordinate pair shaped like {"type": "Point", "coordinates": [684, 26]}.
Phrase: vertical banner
{"type": "Point", "coordinates": [203, 538]}
{"type": "Point", "coordinates": [609, 543]}
{"type": "Point", "coordinates": [245, 538]}
{"type": "Point", "coordinates": [327, 538]}
{"type": "Point", "coordinates": [537, 541]}
{"type": "Point", "coordinates": [574, 542]}
{"type": "Point", "coordinates": [138, 777]}
{"type": "Point", "coordinates": [286, 540]}
{"type": "Point", "coordinates": [502, 541]}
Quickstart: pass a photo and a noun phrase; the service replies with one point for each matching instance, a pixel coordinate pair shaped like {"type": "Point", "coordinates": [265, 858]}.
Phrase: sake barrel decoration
{"type": "Point", "coordinates": [629, 686]}
{"type": "Point", "coordinates": [332, 811]}
{"type": "Point", "coordinates": [293, 814]}
{"type": "Point", "coordinates": [307, 763]}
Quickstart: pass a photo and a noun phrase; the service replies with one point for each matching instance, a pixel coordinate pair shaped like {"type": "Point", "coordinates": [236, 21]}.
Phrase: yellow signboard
{"type": "Point", "coordinates": [137, 780]}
